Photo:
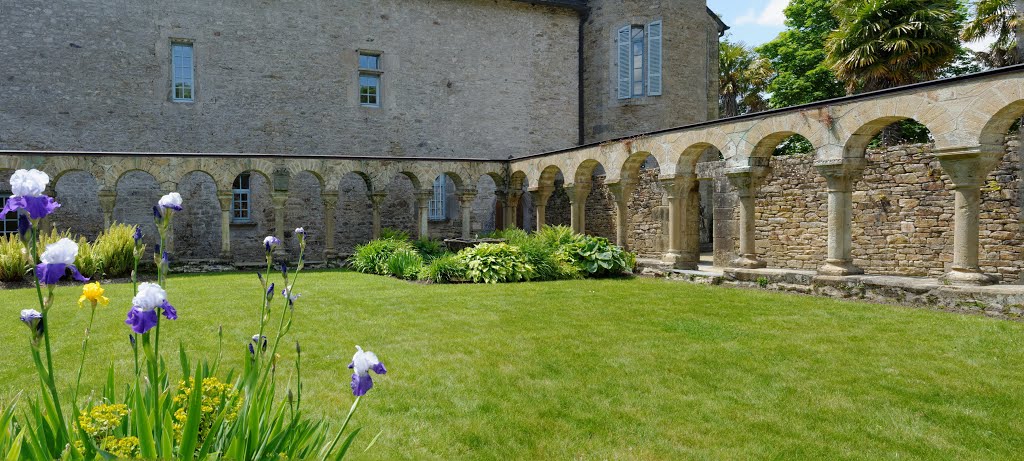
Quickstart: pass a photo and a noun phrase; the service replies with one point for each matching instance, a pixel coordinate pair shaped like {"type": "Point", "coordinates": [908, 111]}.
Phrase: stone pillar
{"type": "Point", "coordinates": [540, 204]}
{"type": "Point", "coordinates": [423, 212]}
{"type": "Point", "coordinates": [466, 205]}
{"type": "Point", "coordinates": [683, 221]}
{"type": "Point", "coordinates": [621, 192]}
{"type": "Point", "coordinates": [747, 180]}
{"type": "Point", "coordinates": [841, 178]}
{"type": "Point", "coordinates": [578, 194]}
{"type": "Point", "coordinates": [330, 208]}
{"type": "Point", "coordinates": [377, 199]}
{"type": "Point", "coordinates": [968, 169]}
{"type": "Point", "coordinates": [108, 199]}
{"type": "Point", "coordinates": [280, 200]}
{"type": "Point", "coordinates": [225, 199]}
{"type": "Point", "coordinates": [512, 208]}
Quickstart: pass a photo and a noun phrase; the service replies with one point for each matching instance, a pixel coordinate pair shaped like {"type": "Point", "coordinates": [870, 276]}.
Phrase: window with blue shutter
{"type": "Point", "coordinates": [438, 209]}
{"type": "Point", "coordinates": [640, 60]}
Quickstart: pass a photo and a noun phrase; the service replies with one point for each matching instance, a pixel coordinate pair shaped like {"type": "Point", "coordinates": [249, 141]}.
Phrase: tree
{"type": "Point", "coordinates": [885, 43]}
{"type": "Point", "coordinates": [798, 56]}
{"type": "Point", "coordinates": [742, 79]}
{"type": "Point", "coordinates": [1005, 20]}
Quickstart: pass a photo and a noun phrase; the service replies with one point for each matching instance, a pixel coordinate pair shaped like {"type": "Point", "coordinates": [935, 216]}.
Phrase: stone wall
{"type": "Point", "coordinates": [902, 218]}
{"type": "Point", "coordinates": [461, 78]}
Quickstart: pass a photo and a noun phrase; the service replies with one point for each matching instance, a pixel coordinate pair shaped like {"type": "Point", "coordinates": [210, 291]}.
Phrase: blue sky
{"type": "Point", "coordinates": [751, 21]}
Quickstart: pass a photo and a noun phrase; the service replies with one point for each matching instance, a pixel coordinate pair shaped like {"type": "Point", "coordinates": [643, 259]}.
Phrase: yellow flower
{"type": "Point", "coordinates": [92, 292]}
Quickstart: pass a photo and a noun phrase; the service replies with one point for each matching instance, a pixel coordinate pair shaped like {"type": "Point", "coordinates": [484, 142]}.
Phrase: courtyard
{"type": "Point", "coordinates": [595, 369]}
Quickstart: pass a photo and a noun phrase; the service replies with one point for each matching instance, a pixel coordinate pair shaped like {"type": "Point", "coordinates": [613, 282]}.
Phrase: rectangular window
{"type": "Point", "coordinates": [640, 60]}
{"type": "Point", "coordinates": [241, 199]}
{"type": "Point", "coordinates": [439, 201]}
{"type": "Point", "coordinates": [369, 79]}
{"type": "Point", "coordinates": [8, 222]}
{"type": "Point", "coordinates": [182, 73]}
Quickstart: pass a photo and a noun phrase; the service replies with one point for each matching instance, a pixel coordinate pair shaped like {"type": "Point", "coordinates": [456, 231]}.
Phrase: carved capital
{"type": "Point", "coordinates": [678, 186]}
{"type": "Point", "coordinates": [541, 195]}
{"type": "Point", "coordinates": [279, 199]}
{"type": "Point", "coordinates": [377, 198]}
{"type": "Point", "coordinates": [107, 200]}
{"type": "Point", "coordinates": [423, 198]}
{"type": "Point", "coordinates": [330, 200]}
{"type": "Point", "coordinates": [748, 179]}
{"type": "Point", "coordinates": [968, 167]}
{"type": "Point", "coordinates": [225, 199]}
{"type": "Point", "coordinates": [841, 175]}
{"type": "Point", "coordinates": [466, 197]}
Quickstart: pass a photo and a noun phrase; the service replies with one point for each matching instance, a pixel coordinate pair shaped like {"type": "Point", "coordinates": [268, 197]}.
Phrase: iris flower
{"type": "Point", "coordinates": [27, 187]}
{"type": "Point", "coordinates": [271, 242]}
{"type": "Point", "coordinates": [57, 259]}
{"type": "Point", "coordinates": [143, 314]}
{"type": "Point", "coordinates": [34, 320]}
{"type": "Point", "coordinates": [362, 363]}
{"type": "Point", "coordinates": [92, 292]}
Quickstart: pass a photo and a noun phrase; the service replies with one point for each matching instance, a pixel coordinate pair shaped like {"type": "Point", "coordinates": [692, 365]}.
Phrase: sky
{"type": "Point", "coordinates": [757, 21]}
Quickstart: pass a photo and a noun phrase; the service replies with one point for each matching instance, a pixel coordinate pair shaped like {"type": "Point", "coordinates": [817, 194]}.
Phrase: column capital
{"type": "Point", "coordinates": [622, 189]}
{"type": "Point", "coordinates": [377, 198]}
{"type": "Point", "coordinates": [540, 195]}
{"type": "Point", "coordinates": [676, 186]}
{"type": "Point", "coordinates": [330, 199]}
{"type": "Point", "coordinates": [466, 196]}
{"type": "Point", "coordinates": [225, 198]}
{"type": "Point", "coordinates": [578, 191]}
{"type": "Point", "coordinates": [968, 167]}
{"type": "Point", "coordinates": [107, 200]}
{"type": "Point", "coordinates": [423, 197]}
{"type": "Point", "coordinates": [841, 175]}
{"type": "Point", "coordinates": [514, 196]}
{"type": "Point", "coordinates": [279, 199]}
{"type": "Point", "coordinates": [747, 179]}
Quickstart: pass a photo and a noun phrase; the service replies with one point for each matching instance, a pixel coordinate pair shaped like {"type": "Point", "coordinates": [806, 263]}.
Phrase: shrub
{"type": "Point", "coordinates": [373, 257]}
{"type": "Point", "coordinates": [495, 263]}
{"type": "Point", "coordinates": [556, 237]}
{"type": "Point", "coordinates": [444, 269]}
{"type": "Point", "coordinates": [547, 264]}
{"type": "Point", "coordinates": [512, 236]}
{"type": "Point", "coordinates": [388, 233]}
{"type": "Point", "coordinates": [598, 257]}
{"type": "Point", "coordinates": [13, 264]}
{"type": "Point", "coordinates": [115, 249]}
{"type": "Point", "coordinates": [405, 263]}
{"type": "Point", "coordinates": [430, 249]}
{"type": "Point", "coordinates": [87, 261]}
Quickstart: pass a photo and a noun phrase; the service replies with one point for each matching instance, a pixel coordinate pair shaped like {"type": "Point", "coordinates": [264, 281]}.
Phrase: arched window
{"type": "Point", "coordinates": [439, 201]}
{"type": "Point", "coordinates": [241, 201]}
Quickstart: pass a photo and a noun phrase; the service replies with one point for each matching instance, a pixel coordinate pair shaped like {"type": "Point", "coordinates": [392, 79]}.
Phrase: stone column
{"type": "Point", "coordinates": [683, 221]}
{"type": "Point", "coordinates": [578, 194]}
{"type": "Point", "coordinates": [841, 178]}
{"type": "Point", "coordinates": [330, 208]}
{"type": "Point", "coordinates": [423, 212]}
{"type": "Point", "coordinates": [280, 200]}
{"type": "Point", "coordinates": [377, 199]}
{"type": "Point", "coordinates": [466, 205]}
{"type": "Point", "coordinates": [512, 208]}
{"type": "Point", "coordinates": [968, 169]}
{"type": "Point", "coordinates": [108, 198]}
{"type": "Point", "coordinates": [747, 180]}
{"type": "Point", "coordinates": [621, 192]}
{"type": "Point", "coordinates": [540, 204]}
{"type": "Point", "coordinates": [225, 199]}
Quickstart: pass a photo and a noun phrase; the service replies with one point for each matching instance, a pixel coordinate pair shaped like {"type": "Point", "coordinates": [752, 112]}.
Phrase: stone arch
{"type": "Point", "coordinates": [549, 175]}
{"type": "Point", "coordinates": [857, 144]}
{"type": "Point", "coordinates": [693, 154]}
{"type": "Point", "coordinates": [382, 180]}
{"type": "Point", "coordinates": [586, 170]}
{"type": "Point", "coordinates": [993, 134]}
{"type": "Point", "coordinates": [766, 146]}
{"type": "Point", "coordinates": [399, 210]}
{"type": "Point", "coordinates": [354, 215]}
{"type": "Point", "coordinates": [631, 167]}
{"type": "Point", "coordinates": [137, 192]}
{"type": "Point", "coordinates": [486, 208]}
{"type": "Point", "coordinates": [304, 208]}
{"type": "Point", "coordinates": [78, 193]}
{"type": "Point", "coordinates": [197, 228]}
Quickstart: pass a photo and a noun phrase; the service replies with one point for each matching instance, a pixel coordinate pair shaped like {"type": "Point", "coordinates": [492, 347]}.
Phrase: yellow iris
{"type": "Point", "coordinates": [92, 292]}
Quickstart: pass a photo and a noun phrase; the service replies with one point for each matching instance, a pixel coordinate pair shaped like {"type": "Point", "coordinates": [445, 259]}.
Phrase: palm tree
{"type": "Point", "coordinates": [742, 79]}
{"type": "Point", "coordinates": [1003, 19]}
{"type": "Point", "coordinates": [884, 43]}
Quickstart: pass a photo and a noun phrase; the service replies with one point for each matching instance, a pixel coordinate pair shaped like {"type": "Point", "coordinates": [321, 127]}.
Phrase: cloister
{"type": "Point", "coordinates": [968, 119]}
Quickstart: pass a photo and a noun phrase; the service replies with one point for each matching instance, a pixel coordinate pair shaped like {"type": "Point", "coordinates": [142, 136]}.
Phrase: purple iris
{"type": "Point", "coordinates": [34, 320]}
{"type": "Point", "coordinates": [362, 363]}
{"type": "Point", "coordinates": [143, 315]}
{"type": "Point", "coordinates": [36, 207]}
{"type": "Point", "coordinates": [157, 214]}
{"type": "Point", "coordinates": [56, 260]}
{"type": "Point", "coordinates": [271, 242]}
{"type": "Point", "coordinates": [138, 235]}
{"type": "Point", "coordinates": [27, 187]}
{"type": "Point", "coordinates": [270, 293]}
{"type": "Point", "coordinates": [50, 274]}
{"type": "Point", "coordinates": [23, 225]}
{"type": "Point", "coordinates": [257, 343]}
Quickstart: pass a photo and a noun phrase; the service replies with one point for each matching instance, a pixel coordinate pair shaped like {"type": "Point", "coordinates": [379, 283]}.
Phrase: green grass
{"type": "Point", "coordinates": [614, 369]}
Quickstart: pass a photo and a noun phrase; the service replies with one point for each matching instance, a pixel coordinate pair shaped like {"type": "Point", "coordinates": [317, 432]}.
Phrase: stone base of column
{"type": "Point", "coordinates": [226, 256]}
{"type": "Point", "coordinates": [749, 262]}
{"type": "Point", "coordinates": [678, 261]}
{"type": "Point", "coordinates": [839, 268]}
{"type": "Point", "coordinates": [330, 255]}
{"type": "Point", "coordinates": [959, 276]}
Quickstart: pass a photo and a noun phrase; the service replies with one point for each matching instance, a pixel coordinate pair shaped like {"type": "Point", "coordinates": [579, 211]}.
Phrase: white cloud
{"type": "Point", "coordinates": [981, 45]}
{"type": "Point", "coordinates": [772, 15]}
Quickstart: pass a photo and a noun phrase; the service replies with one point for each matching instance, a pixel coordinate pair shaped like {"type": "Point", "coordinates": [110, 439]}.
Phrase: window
{"type": "Point", "coordinates": [439, 202]}
{"type": "Point", "coordinates": [182, 74]}
{"type": "Point", "coordinates": [241, 199]}
{"type": "Point", "coordinates": [640, 60]}
{"type": "Point", "coordinates": [369, 79]}
{"type": "Point", "coordinates": [8, 222]}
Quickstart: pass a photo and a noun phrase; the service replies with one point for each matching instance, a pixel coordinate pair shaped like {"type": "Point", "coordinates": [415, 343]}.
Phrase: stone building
{"type": "Point", "coordinates": [376, 82]}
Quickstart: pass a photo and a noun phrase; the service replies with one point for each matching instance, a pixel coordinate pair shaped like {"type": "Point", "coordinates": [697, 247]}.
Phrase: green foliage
{"type": "Point", "coordinates": [444, 269]}
{"type": "Point", "coordinates": [548, 262]}
{"type": "Point", "coordinates": [373, 257]}
{"type": "Point", "coordinates": [885, 43]}
{"type": "Point", "coordinates": [555, 237]}
{"type": "Point", "coordinates": [13, 263]}
{"type": "Point", "coordinates": [115, 249]}
{"type": "Point", "coordinates": [495, 263]}
{"type": "Point", "coordinates": [600, 258]}
{"type": "Point", "coordinates": [794, 145]}
{"type": "Point", "coordinates": [405, 263]}
{"type": "Point", "coordinates": [430, 249]}
{"type": "Point", "coordinates": [742, 79]}
{"type": "Point", "coordinates": [798, 57]}
{"type": "Point", "coordinates": [513, 236]}
{"type": "Point", "coordinates": [1001, 20]}
{"type": "Point", "coordinates": [902, 132]}
{"type": "Point", "coordinates": [388, 233]}
{"type": "Point", "coordinates": [88, 261]}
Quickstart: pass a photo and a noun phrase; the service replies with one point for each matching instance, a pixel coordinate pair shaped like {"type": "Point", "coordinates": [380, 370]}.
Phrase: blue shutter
{"type": "Point", "coordinates": [624, 63]}
{"type": "Point", "coordinates": [654, 59]}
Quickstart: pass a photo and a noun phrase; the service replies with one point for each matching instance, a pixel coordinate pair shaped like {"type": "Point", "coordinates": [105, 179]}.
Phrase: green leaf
{"type": "Point", "coordinates": [190, 431]}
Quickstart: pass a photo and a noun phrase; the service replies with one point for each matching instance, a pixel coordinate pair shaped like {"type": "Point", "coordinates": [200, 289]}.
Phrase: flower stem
{"type": "Point", "coordinates": [81, 365]}
{"type": "Point", "coordinates": [49, 378]}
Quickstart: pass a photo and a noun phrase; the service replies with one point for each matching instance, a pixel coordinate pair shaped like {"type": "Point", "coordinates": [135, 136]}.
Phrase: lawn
{"type": "Point", "coordinates": [617, 369]}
